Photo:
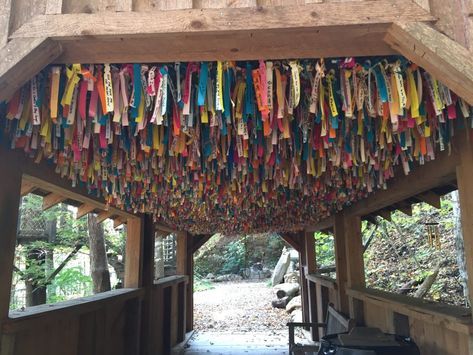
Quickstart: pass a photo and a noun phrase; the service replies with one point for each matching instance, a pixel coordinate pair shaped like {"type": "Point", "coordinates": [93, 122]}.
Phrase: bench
{"type": "Point", "coordinates": [335, 323]}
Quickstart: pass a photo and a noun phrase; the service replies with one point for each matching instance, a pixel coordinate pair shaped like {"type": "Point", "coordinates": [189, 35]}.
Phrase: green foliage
{"type": "Point", "coordinates": [324, 249]}
{"type": "Point", "coordinates": [225, 255]}
{"type": "Point", "coordinates": [70, 283]}
{"type": "Point", "coordinates": [400, 252]}
{"type": "Point", "coordinates": [234, 257]}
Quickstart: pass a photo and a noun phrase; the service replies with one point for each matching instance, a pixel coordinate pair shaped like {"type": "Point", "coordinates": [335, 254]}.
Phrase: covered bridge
{"type": "Point", "coordinates": [203, 116]}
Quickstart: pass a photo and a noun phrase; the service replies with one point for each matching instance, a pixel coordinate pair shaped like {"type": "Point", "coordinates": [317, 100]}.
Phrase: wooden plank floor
{"type": "Point", "coordinates": [238, 344]}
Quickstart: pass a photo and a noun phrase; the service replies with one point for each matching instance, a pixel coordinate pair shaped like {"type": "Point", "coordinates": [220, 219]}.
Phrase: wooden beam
{"type": "Point", "coordinates": [430, 198]}
{"type": "Point", "coordinates": [445, 59]}
{"type": "Point", "coordinates": [384, 214]}
{"type": "Point", "coordinates": [52, 200]}
{"type": "Point", "coordinates": [84, 209]}
{"type": "Point", "coordinates": [292, 240]}
{"type": "Point", "coordinates": [23, 58]}
{"type": "Point", "coordinates": [164, 229]}
{"type": "Point", "coordinates": [44, 177]}
{"type": "Point", "coordinates": [340, 29]}
{"type": "Point", "coordinates": [436, 173]}
{"type": "Point", "coordinates": [196, 242]}
{"type": "Point", "coordinates": [27, 187]}
{"type": "Point", "coordinates": [406, 209]}
{"type": "Point", "coordinates": [325, 223]}
{"type": "Point", "coordinates": [102, 216]}
{"type": "Point", "coordinates": [117, 222]}
{"type": "Point", "coordinates": [134, 252]}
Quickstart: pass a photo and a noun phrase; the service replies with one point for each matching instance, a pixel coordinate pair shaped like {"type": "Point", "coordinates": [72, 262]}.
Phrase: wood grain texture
{"type": "Point", "coordinates": [124, 5]}
{"type": "Point", "coordinates": [23, 11]}
{"type": "Point", "coordinates": [441, 56]}
{"type": "Point", "coordinates": [9, 205]}
{"type": "Point", "coordinates": [339, 29]}
{"type": "Point", "coordinates": [51, 200]}
{"type": "Point", "coordinates": [341, 262]}
{"type": "Point", "coordinates": [219, 4]}
{"type": "Point", "coordinates": [310, 268]}
{"type": "Point", "coordinates": [357, 40]}
{"type": "Point", "coordinates": [181, 252]}
{"type": "Point", "coordinates": [134, 252]}
{"type": "Point", "coordinates": [5, 11]}
{"type": "Point", "coordinates": [465, 194]}
{"type": "Point", "coordinates": [228, 20]}
{"type": "Point", "coordinates": [21, 59]}
{"type": "Point", "coordinates": [452, 18]}
{"type": "Point", "coordinates": [53, 7]}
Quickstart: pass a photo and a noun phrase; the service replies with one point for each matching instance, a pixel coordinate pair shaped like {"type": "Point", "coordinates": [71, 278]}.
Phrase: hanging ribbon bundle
{"type": "Point", "coordinates": [232, 147]}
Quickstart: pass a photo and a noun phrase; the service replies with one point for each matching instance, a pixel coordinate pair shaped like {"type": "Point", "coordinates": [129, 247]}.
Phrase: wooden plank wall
{"type": "Point", "coordinates": [431, 336]}
{"type": "Point", "coordinates": [105, 324]}
{"type": "Point", "coordinates": [167, 315]}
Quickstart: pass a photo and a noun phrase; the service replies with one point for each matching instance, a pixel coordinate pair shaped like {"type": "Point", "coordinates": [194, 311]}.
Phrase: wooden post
{"type": "Point", "coordinates": [147, 283]}
{"type": "Point", "coordinates": [10, 189]}
{"type": "Point", "coordinates": [349, 262]}
{"type": "Point", "coordinates": [190, 291]}
{"type": "Point", "coordinates": [134, 253]}
{"type": "Point", "coordinates": [341, 262]}
{"type": "Point", "coordinates": [465, 193]}
{"type": "Point", "coordinates": [310, 268]}
{"type": "Point", "coordinates": [181, 253]}
{"type": "Point", "coordinates": [303, 283]}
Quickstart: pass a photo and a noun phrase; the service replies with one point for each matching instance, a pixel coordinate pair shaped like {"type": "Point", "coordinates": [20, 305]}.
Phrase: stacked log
{"type": "Point", "coordinates": [285, 280]}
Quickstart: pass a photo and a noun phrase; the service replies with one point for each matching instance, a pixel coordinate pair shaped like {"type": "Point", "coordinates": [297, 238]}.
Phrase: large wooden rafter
{"type": "Point", "coordinates": [445, 59]}
{"type": "Point", "coordinates": [339, 29]}
{"type": "Point", "coordinates": [404, 190]}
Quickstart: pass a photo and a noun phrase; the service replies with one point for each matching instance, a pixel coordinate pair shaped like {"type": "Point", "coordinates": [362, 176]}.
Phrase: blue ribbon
{"type": "Point", "coordinates": [137, 87]}
{"type": "Point", "coordinates": [204, 73]}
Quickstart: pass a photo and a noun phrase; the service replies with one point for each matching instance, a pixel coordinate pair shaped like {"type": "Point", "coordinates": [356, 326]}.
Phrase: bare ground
{"type": "Point", "coordinates": [239, 307]}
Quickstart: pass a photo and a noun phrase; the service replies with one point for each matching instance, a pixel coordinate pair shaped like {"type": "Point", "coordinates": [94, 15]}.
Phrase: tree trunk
{"type": "Point", "coordinates": [35, 286]}
{"type": "Point", "coordinates": [459, 247]}
{"type": "Point", "coordinates": [98, 256]}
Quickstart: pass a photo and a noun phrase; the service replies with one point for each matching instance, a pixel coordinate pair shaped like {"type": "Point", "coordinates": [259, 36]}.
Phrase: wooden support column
{"type": "Point", "coordinates": [303, 283]}
{"type": "Point", "coordinates": [190, 288]}
{"type": "Point", "coordinates": [147, 283]}
{"type": "Point", "coordinates": [10, 189]}
{"type": "Point", "coordinates": [310, 268]}
{"type": "Point", "coordinates": [134, 252]}
{"type": "Point", "coordinates": [465, 193]}
{"type": "Point", "coordinates": [181, 253]}
{"type": "Point", "coordinates": [349, 262]}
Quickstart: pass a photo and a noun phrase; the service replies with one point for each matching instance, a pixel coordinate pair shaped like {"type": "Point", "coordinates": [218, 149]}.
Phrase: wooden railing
{"type": "Point", "coordinates": [167, 315]}
{"type": "Point", "coordinates": [437, 328]}
{"type": "Point", "coordinates": [103, 324]}
{"type": "Point", "coordinates": [326, 293]}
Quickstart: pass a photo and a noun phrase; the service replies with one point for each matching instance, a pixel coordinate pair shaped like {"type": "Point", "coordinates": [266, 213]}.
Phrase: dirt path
{"type": "Point", "coordinates": [239, 307]}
